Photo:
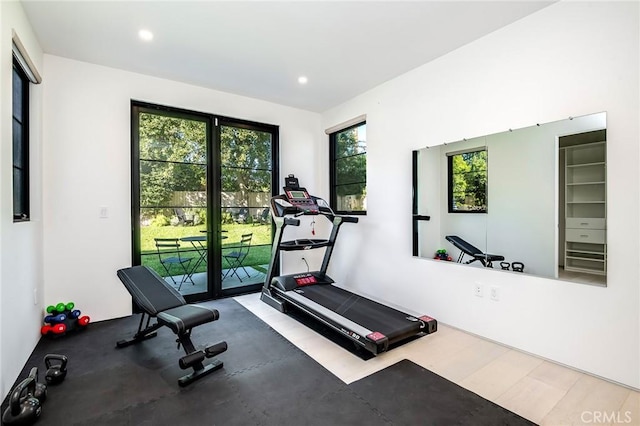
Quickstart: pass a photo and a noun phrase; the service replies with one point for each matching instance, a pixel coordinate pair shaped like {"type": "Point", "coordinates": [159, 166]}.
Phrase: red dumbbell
{"type": "Point", "coordinates": [55, 329]}
{"type": "Point", "coordinates": [83, 320]}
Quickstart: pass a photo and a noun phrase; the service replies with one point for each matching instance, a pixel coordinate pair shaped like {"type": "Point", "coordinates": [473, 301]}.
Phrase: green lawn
{"type": "Point", "coordinates": [259, 253]}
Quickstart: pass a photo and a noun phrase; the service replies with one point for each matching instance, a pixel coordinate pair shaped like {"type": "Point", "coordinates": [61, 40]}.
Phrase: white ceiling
{"type": "Point", "coordinates": [259, 48]}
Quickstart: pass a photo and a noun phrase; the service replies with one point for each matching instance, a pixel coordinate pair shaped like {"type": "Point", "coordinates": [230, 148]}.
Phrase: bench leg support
{"type": "Point", "coordinates": [198, 373]}
{"type": "Point", "coordinates": [194, 360]}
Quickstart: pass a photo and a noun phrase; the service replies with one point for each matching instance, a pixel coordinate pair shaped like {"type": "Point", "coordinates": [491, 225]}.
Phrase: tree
{"type": "Point", "coordinates": [245, 156]}
{"type": "Point", "coordinates": [351, 163]}
{"type": "Point", "coordinates": [469, 174]}
{"type": "Point", "coordinates": [172, 158]}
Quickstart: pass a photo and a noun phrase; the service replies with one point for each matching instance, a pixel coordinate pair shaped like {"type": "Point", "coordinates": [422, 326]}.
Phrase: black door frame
{"type": "Point", "coordinates": [214, 187]}
{"type": "Point", "coordinates": [275, 167]}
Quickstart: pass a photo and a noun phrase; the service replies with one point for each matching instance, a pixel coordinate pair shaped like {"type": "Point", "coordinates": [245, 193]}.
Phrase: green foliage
{"type": "Point", "coordinates": [172, 157]}
{"type": "Point", "coordinates": [226, 217]}
{"type": "Point", "coordinates": [351, 163]}
{"type": "Point", "coordinates": [201, 218]}
{"type": "Point", "coordinates": [245, 156]}
{"type": "Point", "coordinates": [469, 172]}
{"type": "Point", "coordinates": [160, 220]}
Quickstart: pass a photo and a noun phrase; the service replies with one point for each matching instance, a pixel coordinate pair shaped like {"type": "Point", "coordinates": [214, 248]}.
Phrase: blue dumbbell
{"type": "Point", "coordinates": [74, 314]}
{"type": "Point", "coordinates": [54, 319]}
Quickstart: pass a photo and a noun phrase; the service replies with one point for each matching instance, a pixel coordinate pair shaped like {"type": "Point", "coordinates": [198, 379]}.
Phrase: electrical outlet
{"type": "Point", "coordinates": [495, 293]}
{"type": "Point", "coordinates": [104, 212]}
{"type": "Point", "coordinates": [478, 289]}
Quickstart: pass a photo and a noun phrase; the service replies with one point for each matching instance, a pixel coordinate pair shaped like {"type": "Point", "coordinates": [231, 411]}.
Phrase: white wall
{"type": "Point", "coordinates": [21, 243]}
{"type": "Point", "coordinates": [87, 159]}
{"type": "Point", "coordinates": [569, 59]}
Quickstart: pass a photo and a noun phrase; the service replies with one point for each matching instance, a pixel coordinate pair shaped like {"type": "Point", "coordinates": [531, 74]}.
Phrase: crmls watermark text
{"type": "Point", "coordinates": [609, 417]}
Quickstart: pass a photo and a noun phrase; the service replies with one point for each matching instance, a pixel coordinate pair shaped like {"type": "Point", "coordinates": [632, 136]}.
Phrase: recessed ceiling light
{"type": "Point", "coordinates": [145, 35]}
{"type": "Point", "coordinates": [302, 79]}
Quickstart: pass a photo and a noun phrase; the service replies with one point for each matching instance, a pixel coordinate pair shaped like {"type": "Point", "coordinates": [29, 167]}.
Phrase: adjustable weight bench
{"type": "Point", "coordinates": [154, 297]}
{"type": "Point", "coordinates": [471, 250]}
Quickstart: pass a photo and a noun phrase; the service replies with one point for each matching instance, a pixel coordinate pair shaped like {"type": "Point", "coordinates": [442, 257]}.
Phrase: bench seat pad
{"type": "Point", "coordinates": [185, 317]}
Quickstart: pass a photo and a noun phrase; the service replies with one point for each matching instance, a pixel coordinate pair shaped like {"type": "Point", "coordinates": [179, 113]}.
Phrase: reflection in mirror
{"type": "Point", "coordinates": [531, 200]}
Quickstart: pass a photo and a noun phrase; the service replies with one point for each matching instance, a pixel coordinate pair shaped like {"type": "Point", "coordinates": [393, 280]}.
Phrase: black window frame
{"type": "Point", "coordinates": [333, 184]}
{"type": "Point", "coordinates": [450, 197]}
{"type": "Point", "coordinates": [21, 172]}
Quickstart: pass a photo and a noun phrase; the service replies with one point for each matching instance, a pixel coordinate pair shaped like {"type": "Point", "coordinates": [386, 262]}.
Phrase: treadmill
{"type": "Point", "coordinates": [369, 324]}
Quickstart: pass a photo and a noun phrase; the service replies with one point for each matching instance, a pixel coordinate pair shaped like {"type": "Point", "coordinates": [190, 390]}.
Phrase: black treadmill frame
{"type": "Point", "coordinates": [279, 298]}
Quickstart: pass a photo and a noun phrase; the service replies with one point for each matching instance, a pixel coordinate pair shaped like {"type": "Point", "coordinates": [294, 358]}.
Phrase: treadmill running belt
{"type": "Point", "coordinates": [369, 314]}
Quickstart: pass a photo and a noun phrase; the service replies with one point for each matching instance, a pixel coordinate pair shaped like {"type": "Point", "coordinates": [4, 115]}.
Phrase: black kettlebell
{"type": "Point", "coordinates": [23, 410]}
{"type": "Point", "coordinates": [517, 266]}
{"type": "Point", "coordinates": [41, 389]}
{"type": "Point", "coordinates": [55, 372]}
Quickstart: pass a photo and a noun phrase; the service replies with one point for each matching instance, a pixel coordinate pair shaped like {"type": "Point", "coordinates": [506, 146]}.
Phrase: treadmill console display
{"type": "Point", "coordinates": [300, 198]}
{"type": "Point", "coordinates": [305, 279]}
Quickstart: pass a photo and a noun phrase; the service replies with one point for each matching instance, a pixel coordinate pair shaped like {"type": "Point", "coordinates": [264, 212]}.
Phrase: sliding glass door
{"type": "Point", "coordinates": [201, 186]}
{"type": "Point", "coordinates": [247, 153]}
{"type": "Point", "coordinates": [170, 187]}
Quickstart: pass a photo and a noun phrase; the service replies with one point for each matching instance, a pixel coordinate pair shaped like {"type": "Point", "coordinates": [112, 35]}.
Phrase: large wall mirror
{"type": "Point", "coordinates": [530, 200]}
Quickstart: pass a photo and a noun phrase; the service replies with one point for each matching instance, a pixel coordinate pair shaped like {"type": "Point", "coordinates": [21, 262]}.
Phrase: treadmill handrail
{"type": "Point", "coordinates": [282, 212]}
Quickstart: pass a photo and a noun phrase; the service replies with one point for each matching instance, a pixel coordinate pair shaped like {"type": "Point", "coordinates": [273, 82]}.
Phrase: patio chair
{"type": "Point", "coordinates": [183, 218]}
{"type": "Point", "coordinates": [236, 257]}
{"type": "Point", "coordinates": [242, 215]}
{"type": "Point", "coordinates": [265, 216]}
{"type": "Point", "coordinates": [170, 259]}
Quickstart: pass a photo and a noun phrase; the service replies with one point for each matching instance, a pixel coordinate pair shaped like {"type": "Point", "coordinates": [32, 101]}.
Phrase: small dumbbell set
{"type": "Point", "coordinates": [63, 318]}
{"type": "Point", "coordinates": [442, 254]}
{"type": "Point", "coordinates": [27, 398]}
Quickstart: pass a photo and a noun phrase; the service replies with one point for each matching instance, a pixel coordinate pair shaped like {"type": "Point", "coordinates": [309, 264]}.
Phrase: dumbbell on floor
{"type": "Point", "coordinates": [55, 329]}
{"type": "Point", "coordinates": [54, 319]}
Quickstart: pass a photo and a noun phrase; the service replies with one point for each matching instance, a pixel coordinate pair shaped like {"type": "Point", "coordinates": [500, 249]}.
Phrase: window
{"type": "Point", "coordinates": [468, 182]}
{"type": "Point", "coordinates": [348, 174]}
{"type": "Point", "coordinates": [20, 143]}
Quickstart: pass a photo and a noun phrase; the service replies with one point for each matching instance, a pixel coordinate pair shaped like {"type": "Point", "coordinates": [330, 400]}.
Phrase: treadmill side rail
{"type": "Point", "coordinates": [272, 301]}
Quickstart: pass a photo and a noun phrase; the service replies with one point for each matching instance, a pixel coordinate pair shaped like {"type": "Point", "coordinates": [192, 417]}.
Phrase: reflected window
{"type": "Point", "coordinates": [468, 182]}
{"type": "Point", "coordinates": [348, 174]}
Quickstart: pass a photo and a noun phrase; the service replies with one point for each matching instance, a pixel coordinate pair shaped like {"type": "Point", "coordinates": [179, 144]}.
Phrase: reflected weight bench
{"type": "Point", "coordinates": [471, 250]}
{"type": "Point", "coordinates": [154, 297]}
